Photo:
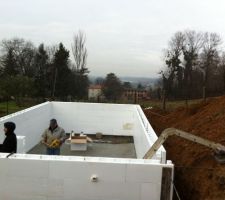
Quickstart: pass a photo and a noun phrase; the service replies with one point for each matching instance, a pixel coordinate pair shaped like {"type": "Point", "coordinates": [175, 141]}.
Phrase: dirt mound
{"type": "Point", "coordinates": [197, 174]}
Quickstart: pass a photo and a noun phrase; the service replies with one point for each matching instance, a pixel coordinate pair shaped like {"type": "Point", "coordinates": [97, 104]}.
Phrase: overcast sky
{"type": "Point", "coordinates": [123, 36]}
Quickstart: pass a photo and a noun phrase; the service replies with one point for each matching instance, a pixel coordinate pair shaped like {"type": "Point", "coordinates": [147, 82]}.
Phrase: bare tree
{"type": "Point", "coordinates": [80, 52]}
{"type": "Point", "coordinates": [194, 65]}
{"type": "Point", "coordinates": [174, 58]}
{"type": "Point", "coordinates": [23, 53]}
{"type": "Point", "coordinates": [192, 45]}
{"type": "Point", "coordinates": [209, 57]}
{"type": "Point", "coordinates": [51, 50]}
{"type": "Point", "coordinates": [222, 69]}
{"type": "Point", "coordinates": [52, 69]}
{"type": "Point", "coordinates": [173, 72]}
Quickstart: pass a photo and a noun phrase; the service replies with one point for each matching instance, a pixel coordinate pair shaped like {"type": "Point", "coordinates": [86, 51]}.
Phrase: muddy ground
{"type": "Point", "coordinates": [198, 176]}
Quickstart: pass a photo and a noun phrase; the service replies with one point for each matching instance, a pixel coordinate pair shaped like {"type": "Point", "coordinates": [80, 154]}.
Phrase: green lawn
{"type": "Point", "coordinates": [12, 107]}
{"type": "Point", "coordinates": [170, 105]}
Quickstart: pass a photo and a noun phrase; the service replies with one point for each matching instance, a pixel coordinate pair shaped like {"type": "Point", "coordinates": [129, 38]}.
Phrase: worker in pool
{"type": "Point", "coordinates": [53, 137]}
{"type": "Point", "coordinates": [10, 142]}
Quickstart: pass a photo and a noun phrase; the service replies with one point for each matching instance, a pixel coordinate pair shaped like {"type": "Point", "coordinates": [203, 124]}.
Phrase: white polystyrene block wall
{"type": "Point", "coordinates": [92, 117]}
{"type": "Point", "coordinates": [110, 119]}
{"type": "Point", "coordinates": [89, 118]}
{"type": "Point", "coordinates": [145, 136]}
{"type": "Point", "coordinates": [70, 178]}
{"type": "Point", "coordinates": [21, 144]}
{"type": "Point", "coordinates": [40, 177]}
{"type": "Point", "coordinates": [141, 141]}
{"type": "Point", "coordinates": [30, 123]}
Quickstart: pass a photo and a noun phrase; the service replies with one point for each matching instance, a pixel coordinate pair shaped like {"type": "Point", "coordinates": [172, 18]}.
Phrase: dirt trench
{"type": "Point", "coordinates": [197, 175]}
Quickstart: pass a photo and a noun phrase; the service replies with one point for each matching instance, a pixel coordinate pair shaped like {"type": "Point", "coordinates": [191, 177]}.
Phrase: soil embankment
{"type": "Point", "coordinates": [197, 175]}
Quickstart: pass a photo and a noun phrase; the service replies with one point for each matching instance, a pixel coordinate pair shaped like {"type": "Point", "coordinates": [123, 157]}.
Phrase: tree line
{"type": "Point", "coordinates": [194, 66]}
{"type": "Point", "coordinates": [113, 88]}
{"type": "Point", "coordinates": [43, 71]}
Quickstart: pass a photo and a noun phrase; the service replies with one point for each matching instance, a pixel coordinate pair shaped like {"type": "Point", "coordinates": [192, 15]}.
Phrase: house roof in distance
{"type": "Point", "coordinates": [95, 87]}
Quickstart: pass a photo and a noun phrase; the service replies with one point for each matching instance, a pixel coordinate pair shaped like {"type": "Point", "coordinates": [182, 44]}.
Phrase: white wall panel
{"type": "Point", "coordinates": [143, 174]}
{"type": "Point", "coordinates": [63, 170]}
{"type": "Point", "coordinates": [110, 119]}
{"type": "Point", "coordinates": [144, 136]}
{"type": "Point", "coordinates": [91, 117]}
{"type": "Point", "coordinates": [29, 123]}
{"type": "Point", "coordinates": [40, 177]}
{"type": "Point", "coordinates": [150, 191]}
{"type": "Point", "coordinates": [69, 178]}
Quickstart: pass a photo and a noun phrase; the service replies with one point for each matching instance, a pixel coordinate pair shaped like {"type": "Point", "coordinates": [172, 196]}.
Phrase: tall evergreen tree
{"type": "Point", "coordinates": [61, 78]}
{"type": "Point", "coordinates": [41, 67]}
{"type": "Point", "coordinates": [9, 64]}
{"type": "Point", "coordinates": [112, 87]}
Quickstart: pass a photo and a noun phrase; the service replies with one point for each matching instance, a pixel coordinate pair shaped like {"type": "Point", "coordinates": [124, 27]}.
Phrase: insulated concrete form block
{"type": "Point", "coordinates": [27, 168]}
{"type": "Point", "coordinates": [91, 118]}
{"type": "Point", "coordinates": [41, 177]}
{"type": "Point", "coordinates": [22, 187]}
{"type": "Point", "coordinates": [150, 191]}
{"type": "Point", "coordinates": [30, 123]}
{"type": "Point", "coordinates": [55, 188]}
{"type": "Point", "coordinates": [144, 173]}
{"type": "Point", "coordinates": [23, 179]}
{"type": "Point", "coordinates": [83, 171]}
{"type": "Point", "coordinates": [141, 141]}
{"type": "Point", "coordinates": [21, 144]}
{"type": "Point", "coordinates": [110, 119]}
{"type": "Point", "coordinates": [22, 197]}
{"type": "Point", "coordinates": [147, 137]}
{"type": "Point", "coordinates": [2, 185]}
{"type": "Point", "coordinates": [70, 178]}
{"type": "Point", "coordinates": [3, 168]}
{"type": "Point", "coordinates": [102, 191]}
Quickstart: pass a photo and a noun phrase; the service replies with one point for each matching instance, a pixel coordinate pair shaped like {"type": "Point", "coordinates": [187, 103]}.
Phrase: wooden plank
{"type": "Point", "coordinates": [79, 137]}
{"type": "Point", "coordinates": [166, 183]}
{"type": "Point", "coordinates": [79, 141]}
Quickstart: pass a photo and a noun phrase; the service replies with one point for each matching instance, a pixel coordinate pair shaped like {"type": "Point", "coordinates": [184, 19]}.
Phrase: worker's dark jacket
{"type": "Point", "coordinates": [10, 143]}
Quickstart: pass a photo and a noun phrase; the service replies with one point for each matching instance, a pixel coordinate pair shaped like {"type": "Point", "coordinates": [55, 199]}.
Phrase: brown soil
{"type": "Point", "coordinates": [197, 175]}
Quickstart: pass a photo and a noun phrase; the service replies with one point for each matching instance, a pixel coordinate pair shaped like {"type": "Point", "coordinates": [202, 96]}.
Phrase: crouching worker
{"type": "Point", "coordinates": [10, 142]}
{"type": "Point", "coordinates": [53, 138]}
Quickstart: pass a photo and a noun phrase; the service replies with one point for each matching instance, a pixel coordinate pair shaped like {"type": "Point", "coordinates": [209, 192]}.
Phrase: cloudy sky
{"type": "Point", "coordinates": [123, 36]}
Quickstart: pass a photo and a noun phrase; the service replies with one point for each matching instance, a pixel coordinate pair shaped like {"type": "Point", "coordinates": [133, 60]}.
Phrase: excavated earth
{"type": "Point", "coordinates": [198, 176]}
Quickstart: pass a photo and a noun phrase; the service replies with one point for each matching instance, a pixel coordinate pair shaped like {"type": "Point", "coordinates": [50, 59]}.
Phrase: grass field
{"type": "Point", "coordinates": [12, 107]}
{"type": "Point", "coordinates": [170, 105]}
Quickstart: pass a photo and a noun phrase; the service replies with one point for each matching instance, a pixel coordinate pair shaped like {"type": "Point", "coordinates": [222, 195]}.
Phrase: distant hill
{"type": "Point", "coordinates": [133, 80]}
{"type": "Point", "coordinates": [142, 80]}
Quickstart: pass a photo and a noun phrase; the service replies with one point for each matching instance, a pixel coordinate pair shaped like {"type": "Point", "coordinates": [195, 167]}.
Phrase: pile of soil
{"type": "Point", "coordinates": [197, 174]}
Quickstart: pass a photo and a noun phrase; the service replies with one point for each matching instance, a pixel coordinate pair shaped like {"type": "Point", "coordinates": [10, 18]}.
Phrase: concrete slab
{"type": "Point", "coordinates": [117, 148]}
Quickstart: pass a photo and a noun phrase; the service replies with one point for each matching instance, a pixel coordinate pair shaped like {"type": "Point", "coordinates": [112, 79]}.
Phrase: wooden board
{"type": "Point", "coordinates": [78, 141]}
{"type": "Point", "coordinates": [79, 137]}
{"type": "Point", "coordinates": [166, 183]}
